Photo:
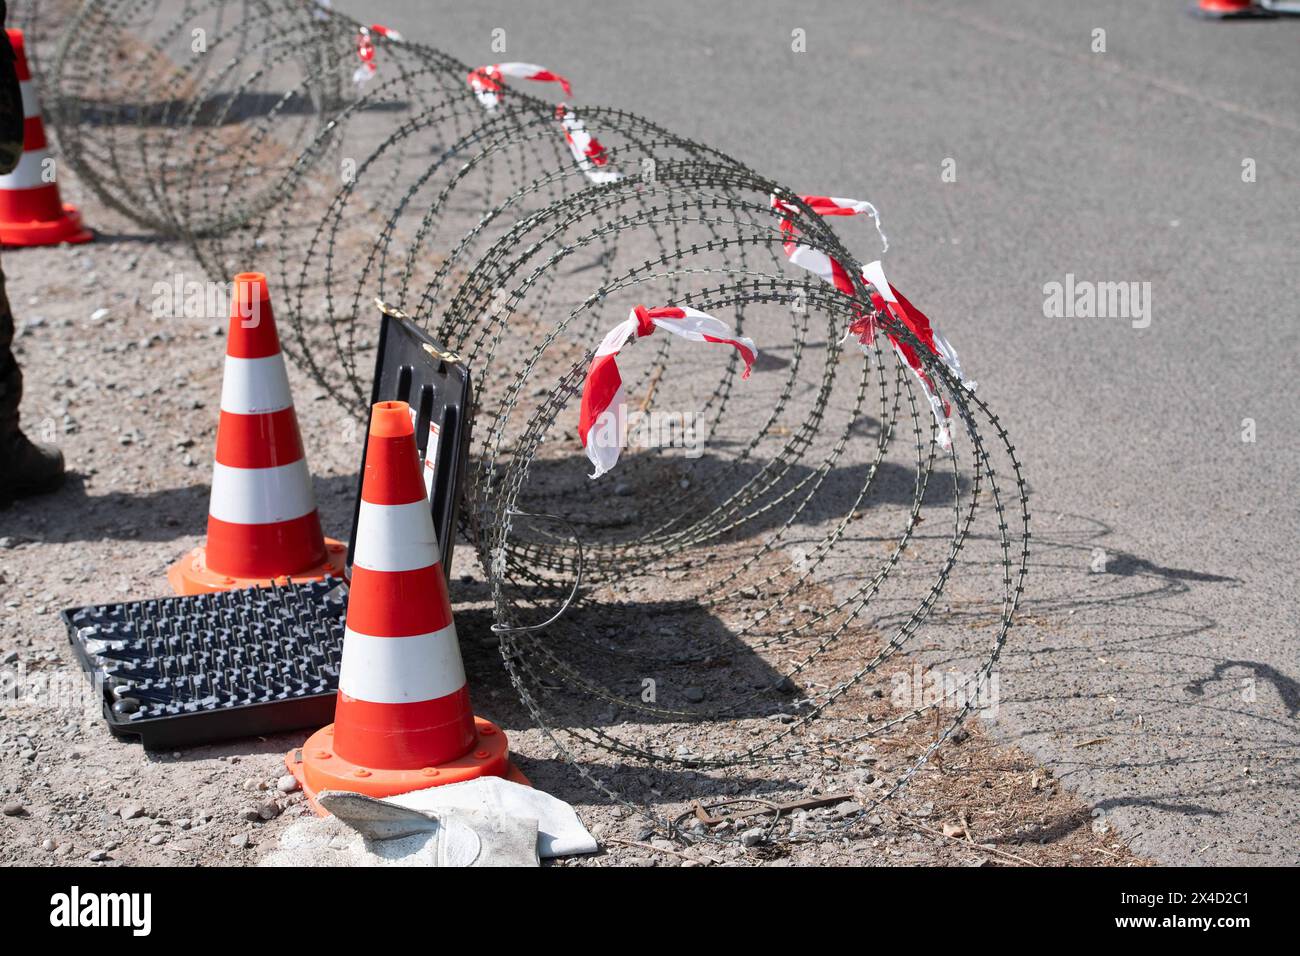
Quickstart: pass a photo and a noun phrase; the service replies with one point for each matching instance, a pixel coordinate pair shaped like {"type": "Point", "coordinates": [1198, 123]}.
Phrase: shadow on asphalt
{"type": "Point", "coordinates": [1133, 699]}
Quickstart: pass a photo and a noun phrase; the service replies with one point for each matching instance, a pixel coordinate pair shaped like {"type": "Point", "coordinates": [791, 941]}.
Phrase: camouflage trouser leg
{"type": "Point", "coordinates": [11, 377]}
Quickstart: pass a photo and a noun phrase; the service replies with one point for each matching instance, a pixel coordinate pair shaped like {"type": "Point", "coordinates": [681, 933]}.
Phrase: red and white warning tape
{"type": "Point", "coordinates": [884, 297]}
{"type": "Point", "coordinates": [366, 54]}
{"type": "Point", "coordinates": [488, 85]}
{"type": "Point", "coordinates": [602, 422]}
{"type": "Point", "coordinates": [587, 151]}
{"type": "Point", "coordinates": [889, 300]}
{"type": "Point", "coordinates": [367, 68]}
{"type": "Point", "coordinates": [812, 259]}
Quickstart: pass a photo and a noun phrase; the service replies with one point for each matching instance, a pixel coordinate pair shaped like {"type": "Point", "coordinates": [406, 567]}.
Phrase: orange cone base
{"type": "Point", "coordinates": [318, 768]}
{"type": "Point", "coordinates": [191, 574]}
{"type": "Point", "coordinates": [67, 228]}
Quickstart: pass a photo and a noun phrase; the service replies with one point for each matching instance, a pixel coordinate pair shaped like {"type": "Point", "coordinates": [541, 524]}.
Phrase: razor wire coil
{"type": "Point", "coordinates": [484, 227]}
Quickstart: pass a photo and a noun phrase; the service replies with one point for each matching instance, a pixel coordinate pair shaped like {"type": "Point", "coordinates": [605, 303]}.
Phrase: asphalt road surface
{"type": "Point", "coordinates": [1166, 689]}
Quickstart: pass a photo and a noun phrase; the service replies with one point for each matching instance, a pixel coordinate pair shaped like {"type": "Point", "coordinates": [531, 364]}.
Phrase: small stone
{"type": "Point", "coordinates": [695, 695]}
{"type": "Point", "coordinates": [241, 842]}
{"type": "Point", "coordinates": [10, 658]}
{"type": "Point", "coordinates": [48, 845]}
{"type": "Point", "coordinates": [253, 785]}
{"type": "Point", "coordinates": [752, 837]}
{"type": "Point", "coordinates": [131, 811]}
{"type": "Point", "coordinates": [954, 830]}
{"type": "Point", "coordinates": [99, 315]}
{"type": "Point", "coordinates": [99, 856]}
{"type": "Point", "coordinates": [269, 810]}
{"type": "Point", "coordinates": [157, 840]}
{"type": "Point", "coordinates": [251, 815]}
{"type": "Point", "coordinates": [14, 809]}
{"type": "Point", "coordinates": [287, 784]}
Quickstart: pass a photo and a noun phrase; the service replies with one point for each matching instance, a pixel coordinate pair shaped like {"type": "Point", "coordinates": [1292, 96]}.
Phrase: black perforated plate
{"type": "Point", "coordinates": [180, 671]}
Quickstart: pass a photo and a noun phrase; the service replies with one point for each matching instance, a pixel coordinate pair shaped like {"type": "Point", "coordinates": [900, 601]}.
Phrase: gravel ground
{"type": "Point", "coordinates": [132, 402]}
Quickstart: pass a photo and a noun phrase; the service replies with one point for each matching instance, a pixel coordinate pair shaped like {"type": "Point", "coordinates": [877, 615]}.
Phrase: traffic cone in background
{"type": "Point", "coordinates": [31, 212]}
{"type": "Point", "coordinates": [1228, 9]}
{"type": "Point", "coordinates": [403, 719]}
{"type": "Point", "coordinates": [262, 521]}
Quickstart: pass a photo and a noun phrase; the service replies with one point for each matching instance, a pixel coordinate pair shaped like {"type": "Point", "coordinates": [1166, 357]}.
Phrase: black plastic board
{"type": "Point", "coordinates": [411, 367]}
{"type": "Point", "coordinates": [181, 671]}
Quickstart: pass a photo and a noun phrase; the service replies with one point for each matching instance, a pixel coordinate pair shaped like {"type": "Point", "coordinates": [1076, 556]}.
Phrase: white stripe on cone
{"type": "Point", "coordinates": [31, 103]}
{"type": "Point", "coordinates": [395, 537]}
{"type": "Point", "coordinates": [261, 495]}
{"type": "Point", "coordinates": [28, 174]}
{"type": "Point", "coordinates": [401, 670]}
{"type": "Point", "coordinates": [255, 386]}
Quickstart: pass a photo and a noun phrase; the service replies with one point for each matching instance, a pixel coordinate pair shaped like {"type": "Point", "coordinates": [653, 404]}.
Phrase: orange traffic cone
{"type": "Point", "coordinates": [31, 212]}
{"type": "Point", "coordinates": [403, 720]}
{"type": "Point", "coordinates": [262, 521]}
{"type": "Point", "coordinates": [1228, 9]}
